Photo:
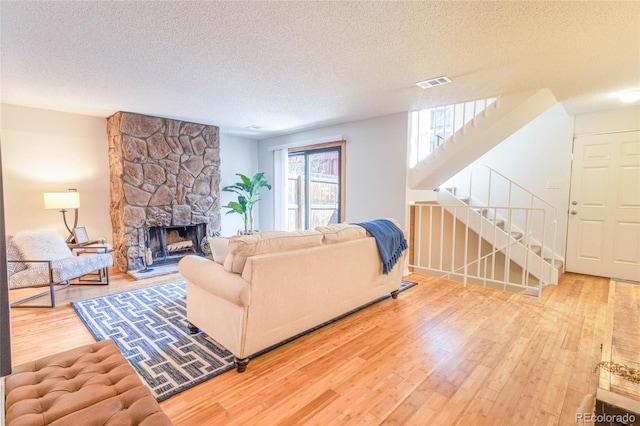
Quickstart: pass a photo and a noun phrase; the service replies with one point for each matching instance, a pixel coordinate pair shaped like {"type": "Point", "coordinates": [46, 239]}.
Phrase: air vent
{"type": "Point", "coordinates": [433, 82]}
{"type": "Point", "coordinates": [254, 127]}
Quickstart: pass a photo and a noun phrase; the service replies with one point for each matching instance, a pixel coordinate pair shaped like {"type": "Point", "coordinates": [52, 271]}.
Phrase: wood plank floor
{"type": "Point", "coordinates": [441, 354]}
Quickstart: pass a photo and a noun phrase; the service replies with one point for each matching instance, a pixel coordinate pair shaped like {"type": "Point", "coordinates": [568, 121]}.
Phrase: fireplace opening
{"type": "Point", "coordinates": [169, 244]}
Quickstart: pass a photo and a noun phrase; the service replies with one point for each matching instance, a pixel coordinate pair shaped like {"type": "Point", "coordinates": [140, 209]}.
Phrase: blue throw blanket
{"type": "Point", "coordinates": [390, 240]}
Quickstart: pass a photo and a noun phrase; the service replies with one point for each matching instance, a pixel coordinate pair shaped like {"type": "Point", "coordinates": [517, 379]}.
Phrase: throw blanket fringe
{"type": "Point", "coordinates": [389, 239]}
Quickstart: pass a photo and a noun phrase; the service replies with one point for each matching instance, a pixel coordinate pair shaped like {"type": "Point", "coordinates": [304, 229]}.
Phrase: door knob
{"type": "Point", "coordinates": [574, 203]}
{"type": "Point", "coordinates": [573, 212]}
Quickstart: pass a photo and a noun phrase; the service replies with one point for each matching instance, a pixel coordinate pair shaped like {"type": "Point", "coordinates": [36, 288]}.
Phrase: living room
{"type": "Point", "coordinates": [54, 132]}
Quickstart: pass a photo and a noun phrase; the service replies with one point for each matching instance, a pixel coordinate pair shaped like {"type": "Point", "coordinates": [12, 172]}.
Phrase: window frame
{"type": "Point", "coordinates": [329, 146]}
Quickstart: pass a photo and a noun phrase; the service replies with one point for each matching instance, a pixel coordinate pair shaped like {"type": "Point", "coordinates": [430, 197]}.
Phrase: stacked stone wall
{"type": "Point", "coordinates": [163, 172]}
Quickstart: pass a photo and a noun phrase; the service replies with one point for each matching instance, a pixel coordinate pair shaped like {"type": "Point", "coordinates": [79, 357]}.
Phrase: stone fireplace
{"type": "Point", "coordinates": [168, 244]}
{"type": "Point", "coordinates": [164, 174]}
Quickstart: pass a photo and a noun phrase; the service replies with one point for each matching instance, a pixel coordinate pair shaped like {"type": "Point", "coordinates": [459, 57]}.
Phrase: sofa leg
{"type": "Point", "coordinates": [192, 328]}
{"type": "Point", "coordinates": [394, 294]}
{"type": "Point", "coordinates": [241, 364]}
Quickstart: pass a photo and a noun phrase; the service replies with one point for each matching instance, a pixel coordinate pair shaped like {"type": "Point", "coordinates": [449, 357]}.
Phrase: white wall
{"type": "Point", "coordinates": [49, 151]}
{"type": "Point", "coordinates": [536, 154]}
{"type": "Point", "coordinates": [237, 155]}
{"type": "Point", "coordinates": [618, 120]}
{"type": "Point", "coordinates": [376, 153]}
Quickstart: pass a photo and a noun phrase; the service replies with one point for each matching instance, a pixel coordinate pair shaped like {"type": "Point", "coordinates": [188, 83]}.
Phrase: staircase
{"type": "Point", "coordinates": [475, 134]}
{"type": "Point", "coordinates": [485, 228]}
{"type": "Point", "coordinates": [516, 222]}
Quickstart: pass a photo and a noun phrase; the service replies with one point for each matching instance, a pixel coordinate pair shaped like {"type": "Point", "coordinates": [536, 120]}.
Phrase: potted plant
{"type": "Point", "coordinates": [247, 190]}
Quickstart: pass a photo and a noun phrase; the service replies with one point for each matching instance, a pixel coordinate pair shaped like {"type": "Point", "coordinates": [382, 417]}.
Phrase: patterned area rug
{"type": "Point", "coordinates": [149, 325]}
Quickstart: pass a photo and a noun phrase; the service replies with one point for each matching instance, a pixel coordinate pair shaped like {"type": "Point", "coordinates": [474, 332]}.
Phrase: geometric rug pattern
{"type": "Point", "coordinates": [149, 326]}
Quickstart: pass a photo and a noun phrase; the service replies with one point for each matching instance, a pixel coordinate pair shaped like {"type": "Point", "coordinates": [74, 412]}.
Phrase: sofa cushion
{"type": "Point", "coordinates": [243, 246]}
{"type": "Point", "coordinates": [43, 244]}
{"type": "Point", "coordinates": [341, 232]}
{"type": "Point", "coordinates": [219, 248]}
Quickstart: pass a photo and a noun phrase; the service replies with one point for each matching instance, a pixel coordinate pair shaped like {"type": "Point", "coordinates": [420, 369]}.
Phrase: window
{"type": "Point", "coordinates": [432, 127]}
{"type": "Point", "coordinates": [315, 186]}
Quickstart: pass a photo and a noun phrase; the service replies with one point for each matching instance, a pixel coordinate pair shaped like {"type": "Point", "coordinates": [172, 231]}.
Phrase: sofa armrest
{"type": "Point", "coordinates": [212, 277]}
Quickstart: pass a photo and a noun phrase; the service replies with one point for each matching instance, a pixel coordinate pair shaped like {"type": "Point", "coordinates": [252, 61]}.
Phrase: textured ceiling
{"type": "Point", "coordinates": [287, 66]}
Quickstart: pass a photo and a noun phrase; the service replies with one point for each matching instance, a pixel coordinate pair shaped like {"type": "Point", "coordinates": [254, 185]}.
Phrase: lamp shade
{"type": "Point", "coordinates": [61, 200]}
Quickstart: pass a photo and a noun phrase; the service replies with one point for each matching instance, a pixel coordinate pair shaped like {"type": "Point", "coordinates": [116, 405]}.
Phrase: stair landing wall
{"type": "Point", "coordinates": [538, 157]}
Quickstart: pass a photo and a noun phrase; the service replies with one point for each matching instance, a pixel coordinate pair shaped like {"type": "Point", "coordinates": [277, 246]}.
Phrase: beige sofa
{"type": "Point", "coordinates": [275, 285]}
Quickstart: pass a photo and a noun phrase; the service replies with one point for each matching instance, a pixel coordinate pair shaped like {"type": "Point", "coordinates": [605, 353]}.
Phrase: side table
{"type": "Point", "coordinates": [93, 248]}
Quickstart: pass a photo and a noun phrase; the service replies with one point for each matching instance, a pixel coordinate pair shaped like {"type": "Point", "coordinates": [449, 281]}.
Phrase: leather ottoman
{"type": "Point", "coordinates": [89, 385]}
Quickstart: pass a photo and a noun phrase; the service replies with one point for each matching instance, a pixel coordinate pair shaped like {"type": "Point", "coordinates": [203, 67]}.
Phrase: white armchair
{"type": "Point", "coordinates": [43, 259]}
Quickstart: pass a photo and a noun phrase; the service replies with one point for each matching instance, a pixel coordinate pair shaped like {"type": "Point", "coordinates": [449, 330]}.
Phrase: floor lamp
{"type": "Point", "coordinates": [64, 201]}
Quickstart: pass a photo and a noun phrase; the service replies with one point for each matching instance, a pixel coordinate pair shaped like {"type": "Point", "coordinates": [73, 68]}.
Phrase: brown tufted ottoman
{"type": "Point", "coordinates": [89, 385]}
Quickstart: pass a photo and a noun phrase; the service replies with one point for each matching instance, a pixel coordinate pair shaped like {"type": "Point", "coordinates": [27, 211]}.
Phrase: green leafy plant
{"type": "Point", "coordinates": [248, 190]}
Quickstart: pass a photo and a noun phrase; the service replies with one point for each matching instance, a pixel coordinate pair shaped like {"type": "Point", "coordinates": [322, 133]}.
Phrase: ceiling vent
{"type": "Point", "coordinates": [433, 82]}
{"type": "Point", "coordinates": [254, 127]}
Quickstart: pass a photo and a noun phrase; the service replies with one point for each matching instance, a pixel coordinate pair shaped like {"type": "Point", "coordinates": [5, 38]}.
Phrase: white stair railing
{"type": "Point", "coordinates": [432, 127]}
{"type": "Point", "coordinates": [458, 242]}
{"type": "Point", "coordinates": [480, 185]}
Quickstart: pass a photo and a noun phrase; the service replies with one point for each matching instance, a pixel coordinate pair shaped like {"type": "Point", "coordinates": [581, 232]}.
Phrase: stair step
{"type": "Point", "coordinates": [558, 264]}
{"type": "Point", "coordinates": [464, 200]}
{"type": "Point", "coordinates": [536, 249]}
{"type": "Point", "coordinates": [500, 224]}
{"type": "Point", "coordinates": [516, 235]}
{"type": "Point", "coordinates": [533, 291]}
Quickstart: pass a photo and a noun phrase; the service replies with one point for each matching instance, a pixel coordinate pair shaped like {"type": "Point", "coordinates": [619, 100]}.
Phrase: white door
{"type": "Point", "coordinates": [604, 213]}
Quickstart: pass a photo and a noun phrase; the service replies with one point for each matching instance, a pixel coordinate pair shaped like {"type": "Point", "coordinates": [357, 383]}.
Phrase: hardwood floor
{"type": "Point", "coordinates": [441, 354]}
